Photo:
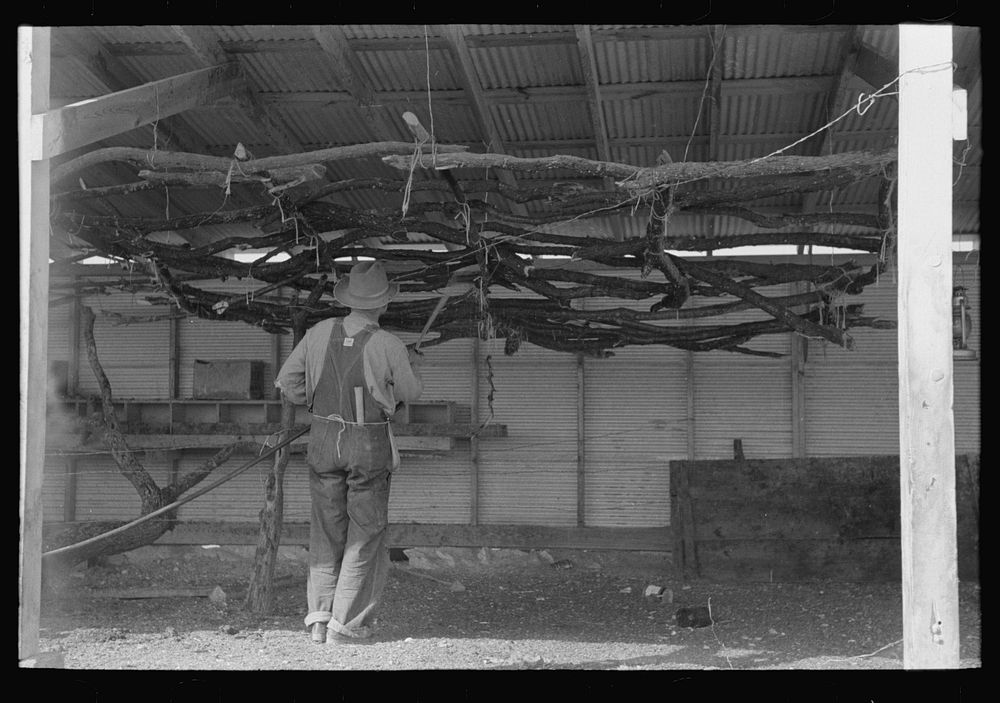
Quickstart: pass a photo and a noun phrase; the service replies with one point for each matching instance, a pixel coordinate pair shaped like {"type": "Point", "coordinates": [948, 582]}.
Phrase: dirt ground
{"type": "Point", "coordinates": [485, 610]}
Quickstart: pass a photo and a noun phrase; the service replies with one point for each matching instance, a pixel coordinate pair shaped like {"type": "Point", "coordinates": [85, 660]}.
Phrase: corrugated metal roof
{"type": "Point", "coordinates": [286, 60]}
{"type": "Point", "coordinates": [519, 122]}
{"type": "Point", "coordinates": [527, 66]}
{"type": "Point", "coordinates": [650, 61]}
{"type": "Point", "coordinates": [783, 53]}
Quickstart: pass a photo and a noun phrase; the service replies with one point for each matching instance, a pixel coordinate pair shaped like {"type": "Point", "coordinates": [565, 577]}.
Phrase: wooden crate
{"type": "Point", "coordinates": [437, 412]}
{"type": "Point", "coordinates": [228, 379]}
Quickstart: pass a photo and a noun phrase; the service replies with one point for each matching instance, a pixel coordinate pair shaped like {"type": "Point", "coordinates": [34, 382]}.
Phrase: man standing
{"type": "Point", "coordinates": [350, 374]}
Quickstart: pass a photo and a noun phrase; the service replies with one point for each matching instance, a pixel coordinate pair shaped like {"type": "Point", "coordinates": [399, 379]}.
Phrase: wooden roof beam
{"type": "Point", "coordinates": [652, 90]}
{"type": "Point", "coordinates": [477, 41]}
{"type": "Point", "coordinates": [208, 50]}
{"type": "Point", "coordinates": [115, 76]}
{"type": "Point", "coordinates": [92, 120]}
{"type": "Point", "coordinates": [837, 101]}
{"type": "Point", "coordinates": [350, 74]}
{"type": "Point", "coordinates": [715, 76]}
{"type": "Point", "coordinates": [588, 63]}
{"type": "Point", "coordinates": [459, 49]}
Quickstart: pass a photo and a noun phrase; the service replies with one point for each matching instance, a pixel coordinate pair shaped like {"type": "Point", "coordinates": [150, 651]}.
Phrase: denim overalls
{"type": "Point", "coordinates": [349, 470]}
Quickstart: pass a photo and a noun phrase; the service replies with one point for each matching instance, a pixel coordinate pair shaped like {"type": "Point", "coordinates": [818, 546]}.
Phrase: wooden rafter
{"type": "Point", "coordinates": [588, 64]}
{"type": "Point", "coordinates": [652, 90]}
{"type": "Point", "coordinates": [837, 101]}
{"type": "Point", "coordinates": [871, 67]}
{"type": "Point", "coordinates": [714, 103]}
{"type": "Point", "coordinates": [111, 72]}
{"type": "Point", "coordinates": [206, 47]}
{"type": "Point", "coordinates": [115, 75]}
{"type": "Point", "coordinates": [551, 38]}
{"type": "Point", "coordinates": [92, 120]}
{"type": "Point", "coordinates": [350, 74]}
{"type": "Point", "coordinates": [459, 48]}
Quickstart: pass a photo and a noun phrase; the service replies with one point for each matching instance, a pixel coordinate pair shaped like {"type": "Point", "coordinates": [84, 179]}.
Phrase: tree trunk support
{"type": "Point", "coordinates": [260, 592]}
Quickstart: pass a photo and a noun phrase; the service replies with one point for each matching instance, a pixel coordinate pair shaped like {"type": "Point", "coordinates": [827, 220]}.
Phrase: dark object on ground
{"type": "Point", "coordinates": [693, 617]}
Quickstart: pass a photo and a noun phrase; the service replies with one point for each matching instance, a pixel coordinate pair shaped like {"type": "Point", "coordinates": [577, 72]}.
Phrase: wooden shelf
{"type": "Point", "coordinates": [166, 425]}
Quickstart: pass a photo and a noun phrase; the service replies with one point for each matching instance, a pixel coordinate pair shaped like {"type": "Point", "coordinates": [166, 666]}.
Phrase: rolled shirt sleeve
{"type": "Point", "coordinates": [390, 376]}
{"type": "Point", "coordinates": [291, 378]}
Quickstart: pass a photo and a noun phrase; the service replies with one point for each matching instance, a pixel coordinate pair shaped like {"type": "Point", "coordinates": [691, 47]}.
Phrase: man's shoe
{"type": "Point", "coordinates": [318, 632]}
{"type": "Point", "coordinates": [333, 637]}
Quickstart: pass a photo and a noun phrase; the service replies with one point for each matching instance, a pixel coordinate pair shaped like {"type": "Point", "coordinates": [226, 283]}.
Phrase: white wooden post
{"type": "Point", "coordinates": [926, 421]}
{"type": "Point", "coordinates": [33, 195]}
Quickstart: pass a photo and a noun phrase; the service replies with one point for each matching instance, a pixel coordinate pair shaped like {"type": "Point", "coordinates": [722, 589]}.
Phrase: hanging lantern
{"type": "Point", "coordinates": [961, 324]}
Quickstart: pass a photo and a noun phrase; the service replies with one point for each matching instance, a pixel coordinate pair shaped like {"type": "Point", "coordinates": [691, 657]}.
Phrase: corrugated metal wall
{"type": "Point", "coordinates": [135, 356]}
{"type": "Point", "coordinates": [530, 476]}
{"type": "Point", "coordinates": [739, 396]}
{"type": "Point", "coordinates": [635, 410]}
{"type": "Point", "coordinates": [635, 416]}
{"type": "Point", "coordinates": [104, 494]}
{"type": "Point", "coordinates": [437, 488]}
{"type": "Point", "coordinates": [210, 340]}
{"type": "Point", "coordinates": [635, 407]}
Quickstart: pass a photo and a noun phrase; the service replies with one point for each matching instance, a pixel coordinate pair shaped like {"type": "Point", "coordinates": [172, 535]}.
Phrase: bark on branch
{"type": "Point", "coordinates": [636, 177]}
{"type": "Point", "coordinates": [159, 160]}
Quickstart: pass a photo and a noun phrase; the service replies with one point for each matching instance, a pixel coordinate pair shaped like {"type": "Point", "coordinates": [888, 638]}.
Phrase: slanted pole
{"type": "Point", "coordinates": [926, 421]}
{"type": "Point", "coordinates": [33, 194]}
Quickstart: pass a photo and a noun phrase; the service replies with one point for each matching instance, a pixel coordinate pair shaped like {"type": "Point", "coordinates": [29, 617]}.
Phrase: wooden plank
{"type": "Point", "coordinates": [655, 539]}
{"type": "Point", "coordinates": [714, 107]}
{"type": "Point", "coordinates": [595, 107]}
{"type": "Point", "coordinates": [799, 560]}
{"type": "Point", "coordinates": [425, 444]}
{"type": "Point", "coordinates": [571, 94]}
{"type": "Point", "coordinates": [69, 488]}
{"type": "Point", "coordinates": [837, 100]}
{"type": "Point", "coordinates": [33, 283]}
{"type": "Point", "coordinates": [248, 443]}
{"type": "Point", "coordinates": [795, 517]}
{"type": "Point", "coordinates": [73, 365]}
{"type": "Point", "coordinates": [173, 358]}
{"type": "Point", "coordinates": [797, 368]}
{"type": "Point", "coordinates": [351, 76]}
{"type": "Point", "coordinates": [147, 593]}
{"type": "Point", "coordinates": [92, 120]}
{"type": "Point", "coordinates": [466, 71]}
{"type": "Point", "coordinates": [690, 564]}
{"type": "Point", "coordinates": [204, 44]}
{"type": "Point", "coordinates": [276, 361]}
{"type": "Point", "coordinates": [926, 420]}
{"type": "Point", "coordinates": [818, 472]}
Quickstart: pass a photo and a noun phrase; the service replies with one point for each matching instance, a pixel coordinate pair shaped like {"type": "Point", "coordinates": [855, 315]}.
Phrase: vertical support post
{"type": "Point", "coordinates": [72, 390]}
{"type": "Point", "coordinates": [73, 363]}
{"type": "Point", "coordinates": [69, 489]}
{"type": "Point", "coordinates": [926, 420]}
{"type": "Point", "coordinates": [173, 392]}
{"type": "Point", "coordinates": [798, 371]}
{"type": "Point", "coordinates": [474, 441]}
{"type": "Point", "coordinates": [173, 362]}
{"type": "Point", "coordinates": [33, 194]}
{"type": "Point", "coordinates": [275, 364]}
{"type": "Point", "coordinates": [581, 444]}
{"type": "Point", "coordinates": [689, 366]}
